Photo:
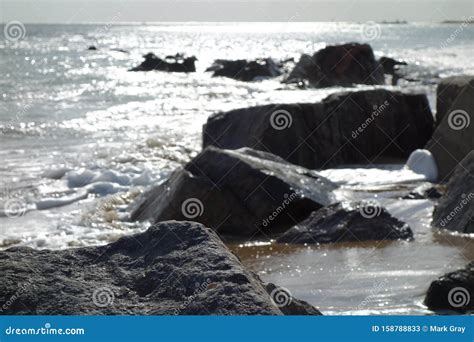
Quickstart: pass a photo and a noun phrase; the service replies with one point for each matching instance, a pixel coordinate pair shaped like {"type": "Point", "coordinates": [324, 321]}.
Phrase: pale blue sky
{"type": "Point", "coordinates": [233, 10]}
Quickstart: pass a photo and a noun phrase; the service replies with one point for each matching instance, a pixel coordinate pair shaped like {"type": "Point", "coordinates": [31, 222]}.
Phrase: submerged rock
{"type": "Point", "coordinates": [178, 63]}
{"type": "Point", "coordinates": [345, 128]}
{"type": "Point", "coordinates": [453, 139]}
{"type": "Point", "coordinates": [348, 221]}
{"type": "Point", "coordinates": [174, 268]}
{"type": "Point", "coordinates": [244, 70]}
{"type": "Point", "coordinates": [453, 291]}
{"type": "Point", "coordinates": [455, 210]}
{"type": "Point", "coordinates": [242, 192]}
{"type": "Point", "coordinates": [339, 65]}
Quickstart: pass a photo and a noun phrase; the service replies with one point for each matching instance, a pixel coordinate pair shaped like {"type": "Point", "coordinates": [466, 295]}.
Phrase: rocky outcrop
{"type": "Point", "coordinates": [177, 63]}
{"type": "Point", "coordinates": [339, 65]}
{"type": "Point", "coordinates": [242, 193]}
{"type": "Point", "coordinates": [453, 139]}
{"type": "Point", "coordinates": [453, 291]}
{"type": "Point", "coordinates": [345, 128]}
{"type": "Point", "coordinates": [246, 71]}
{"type": "Point", "coordinates": [426, 191]}
{"type": "Point", "coordinates": [455, 210]}
{"type": "Point", "coordinates": [392, 67]}
{"type": "Point", "coordinates": [348, 221]}
{"type": "Point", "coordinates": [174, 268]}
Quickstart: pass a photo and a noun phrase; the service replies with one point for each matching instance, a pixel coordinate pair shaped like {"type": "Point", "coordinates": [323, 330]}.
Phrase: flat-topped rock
{"type": "Point", "coordinates": [448, 90]}
{"type": "Point", "coordinates": [346, 128]}
{"type": "Point", "coordinates": [237, 192]}
{"type": "Point", "coordinates": [348, 222]}
{"type": "Point", "coordinates": [174, 268]}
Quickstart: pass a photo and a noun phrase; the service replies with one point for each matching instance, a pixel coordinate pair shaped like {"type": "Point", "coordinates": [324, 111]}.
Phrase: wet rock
{"type": "Point", "coordinates": [348, 221]}
{"type": "Point", "coordinates": [92, 48]}
{"type": "Point", "coordinates": [453, 291]}
{"type": "Point", "coordinates": [453, 139]}
{"type": "Point", "coordinates": [289, 305]}
{"type": "Point", "coordinates": [455, 210]}
{"type": "Point", "coordinates": [172, 268]}
{"type": "Point", "coordinates": [345, 128]}
{"type": "Point", "coordinates": [246, 71]}
{"type": "Point", "coordinates": [426, 191]}
{"type": "Point", "coordinates": [448, 90]}
{"type": "Point", "coordinates": [392, 67]}
{"type": "Point", "coordinates": [241, 192]}
{"type": "Point", "coordinates": [177, 63]}
{"type": "Point", "coordinates": [339, 65]}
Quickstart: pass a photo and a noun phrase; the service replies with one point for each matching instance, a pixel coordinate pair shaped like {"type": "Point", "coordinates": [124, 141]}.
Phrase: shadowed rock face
{"type": "Point", "coordinates": [241, 192]}
{"type": "Point", "coordinates": [178, 64]}
{"type": "Point", "coordinates": [345, 128]}
{"type": "Point", "coordinates": [246, 71]}
{"type": "Point", "coordinates": [453, 139]}
{"type": "Point", "coordinates": [172, 268]}
{"type": "Point", "coordinates": [455, 210]}
{"type": "Point", "coordinates": [340, 65]}
{"type": "Point", "coordinates": [453, 291]}
{"type": "Point", "coordinates": [344, 222]}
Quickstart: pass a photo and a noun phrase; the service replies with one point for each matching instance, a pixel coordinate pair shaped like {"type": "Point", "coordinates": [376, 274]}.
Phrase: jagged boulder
{"type": "Point", "coordinates": [240, 192]}
{"type": "Point", "coordinates": [345, 128]}
{"type": "Point", "coordinates": [244, 70]}
{"type": "Point", "coordinates": [347, 222]}
{"type": "Point", "coordinates": [174, 268]}
{"type": "Point", "coordinates": [339, 65]}
{"type": "Point", "coordinates": [177, 63]}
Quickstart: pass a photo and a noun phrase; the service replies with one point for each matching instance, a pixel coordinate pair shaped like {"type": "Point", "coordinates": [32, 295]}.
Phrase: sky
{"type": "Point", "coordinates": [71, 11]}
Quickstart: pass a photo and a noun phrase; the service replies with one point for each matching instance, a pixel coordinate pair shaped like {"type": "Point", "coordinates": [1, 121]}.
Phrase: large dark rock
{"type": "Point", "coordinates": [455, 210]}
{"type": "Point", "coordinates": [453, 291]}
{"type": "Point", "coordinates": [340, 65]}
{"type": "Point", "coordinates": [242, 193]}
{"type": "Point", "coordinates": [344, 222]}
{"type": "Point", "coordinates": [177, 63]}
{"type": "Point", "coordinates": [448, 90]}
{"type": "Point", "coordinates": [345, 128]}
{"type": "Point", "coordinates": [453, 139]}
{"type": "Point", "coordinates": [172, 268]}
{"type": "Point", "coordinates": [246, 71]}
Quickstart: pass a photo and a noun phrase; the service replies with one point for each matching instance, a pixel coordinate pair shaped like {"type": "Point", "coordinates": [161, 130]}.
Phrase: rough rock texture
{"type": "Point", "coordinates": [343, 222]}
{"type": "Point", "coordinates": [453, 139]}
{"type": "Point", "coordinates": [453, 291]}
{"type": "Point", "coordinates": [455, 210]}
{"type": "Point", "coordinates": [172, 268]}
{"type": "Point", "coordinates": [178, 63]}
{"type": "Point", "coordinates": [345, 128]}
{"type": "Point", "coordinates": [289, 305]}
{"type": "Point", "coordinates": [242, 192]}
{"type": "Point", "coordinates": [448, 90]}
{"type": "Point", "coordinates": [426, 191]}
{"type": "Point", "coordinates": [246, 71]}
{"type": "Point", "coordinates": [340, 65]}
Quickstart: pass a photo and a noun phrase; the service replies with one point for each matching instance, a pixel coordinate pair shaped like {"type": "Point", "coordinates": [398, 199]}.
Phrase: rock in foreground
{"type": "Point", "coordinates": [453, 291]}
{"type": "Point", "coordinates": [455, 209]}
{"type": "Point", "coordinates": [242, 193]}
{"type": "Point", "coordinates": [347, 222]}
{"type": "Point", "coordinates": [173, 268]}
{"type": "Point", "coordinates": [339, 65]}
{"type": "Point", "coordinates": [345, 128]}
